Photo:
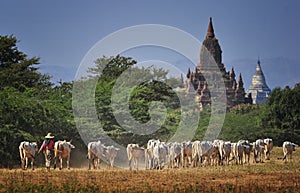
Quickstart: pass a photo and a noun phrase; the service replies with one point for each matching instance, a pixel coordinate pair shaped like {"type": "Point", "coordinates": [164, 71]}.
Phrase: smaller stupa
{"type": "Point", "coordinates": [259, 89]}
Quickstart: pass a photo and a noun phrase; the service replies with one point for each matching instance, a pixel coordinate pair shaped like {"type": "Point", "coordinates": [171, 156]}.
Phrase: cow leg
{"type": "Point", "coordinates": [32, 161]}
{"type": "Point", "coordinates": [26, 162]}
{"type": "Point", "coordinates": [249, 158]}
{"type": "Point", "coordinates": [68, 162]}
{"type": "Point", "coordinates": [151, 163]}
{"type": "Point", "coordinates": [22, 158]}
{"type": "Point", "coordinates": [284, 157]}
{"type": "Point", "coordinates": [88, 157]}
{"type": "Point", "coordinates": [54, 164]}
{"type": "Point", "coordinates": [23, 163]}
{"type": "Point", "coordinates": [146, 159]}
{"type": "Point", "coordinates": [254, 156]}
{"type": "Point", "coordinates": [89, 163]}
{"type": "Point", "coordinates": [96, 163]}
{"type": "Point", "coordinates": [61, 162]}
{"type": "Point", "coordinates": [240, 159]}
{"type": "Point", "coordinates": [112, 162]}
{"type": "Point", "coordinates": [137, 164]}
{"type": "Point", "coordinates": [54, 160]}
{"type": "Point", "coordinates": [130, 164]}
{"type": "Point", "coordinates": [93, 162]}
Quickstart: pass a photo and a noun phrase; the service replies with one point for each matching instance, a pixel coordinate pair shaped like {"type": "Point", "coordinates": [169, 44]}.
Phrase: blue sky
{"type": "Point", "coordinates": [62, 32]}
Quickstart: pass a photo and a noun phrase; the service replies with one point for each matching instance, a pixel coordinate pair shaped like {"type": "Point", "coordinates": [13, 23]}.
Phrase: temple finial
{"type": "Point", "coordinates": [210, 29]}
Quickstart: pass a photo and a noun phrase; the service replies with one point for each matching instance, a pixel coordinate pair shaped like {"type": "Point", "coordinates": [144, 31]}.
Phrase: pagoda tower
{"type": "Point", "coordinates": [210, 74]}
{"type": "Point", "coordinates": [259, 89]}
{"type": "Point", "coordinates": [240, 91]}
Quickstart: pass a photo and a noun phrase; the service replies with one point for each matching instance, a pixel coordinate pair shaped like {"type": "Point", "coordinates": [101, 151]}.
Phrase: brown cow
{"type": "Point", "coordinates": [62, 149]}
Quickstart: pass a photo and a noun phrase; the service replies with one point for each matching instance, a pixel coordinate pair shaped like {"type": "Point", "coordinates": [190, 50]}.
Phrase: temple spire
{"type": "Point", "coordinates": [240, 81]}
{"type": "Point", "coordinates": [258, 67]}
{"type": "Point", "coordinates": [259, 88]}
{"type": "Point", "coordinates": [210, 30]}
{"type": "Point", "coordinates": [232, 74]}
{"type": "Point", "coordinates": [188, 73]}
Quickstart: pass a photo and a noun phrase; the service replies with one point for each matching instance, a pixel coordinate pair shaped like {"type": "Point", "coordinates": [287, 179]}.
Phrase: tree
{"type": "Point", "coordinates": [283, 114]}
{"type": "Point", "coordinates": [142, 85]}
{"type": "Point", "coordinates": [30, 105]}
{"type": "Point", "coordinates": [16, 70]}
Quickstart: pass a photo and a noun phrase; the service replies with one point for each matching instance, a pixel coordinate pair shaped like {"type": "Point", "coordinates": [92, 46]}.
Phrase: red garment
{"type": "Point", "coordinates": [44, 146]}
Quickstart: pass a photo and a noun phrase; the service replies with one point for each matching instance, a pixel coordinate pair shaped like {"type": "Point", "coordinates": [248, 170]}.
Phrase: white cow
{"type": "Point", "coordinates": [247, 148]}
{"type": "Point", "coordinates": [240, 149]}
{"type": "Point", "coordinates": [149, 153]}
{"type": "Point", "coordinates": [219, 155]}
{"type": "Point", "coordinates": [160, 153]}
{"type": "Point", "coordinates": [234, 152]}
{"type": "Point", "coordinates": [175, 154]}
{"type": "Point", "coordinates": [259, 147]}
{"type": "Point", "coordinates": [27, 150]}
{"type": "Point", "coordinates": [95, 152]}
{"type": "Point", "coordinates": [110, 153]}
{"type": "Point", "coordinates": [62, 149]}
{"type": "Point", "coordinates": [207, 150]}
{"type": "Point", "coordinates": [268, 147]}
{"type": "Point", "coordinates": [196, 153]}
{"type": "Point", "coordinates": [134, 153]}
{"type": "Point", "coordinates": [288, 148]}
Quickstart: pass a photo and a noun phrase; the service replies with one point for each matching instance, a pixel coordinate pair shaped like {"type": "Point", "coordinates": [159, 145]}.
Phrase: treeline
{"type": "Point", "coordinates": [31, 106]}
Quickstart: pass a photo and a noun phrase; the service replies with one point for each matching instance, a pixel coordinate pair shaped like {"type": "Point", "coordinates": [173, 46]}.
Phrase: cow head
{"type": "Point", "coordinates": [70, 145]}
{"type": "Point", "coordinates": [294, 146]}
{"type": "Point", "coordinates": [35, 146]}
{"type": "Point", "coordinates": [268, 141]}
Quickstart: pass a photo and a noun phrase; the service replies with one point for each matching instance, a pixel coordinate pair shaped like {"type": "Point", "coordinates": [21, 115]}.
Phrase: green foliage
{"type": "Point", "coordinates": [30, 106]}
{"type": "Point", "coordinates": [243, 122]}
{"type": "Point", "coordinates": [141, 95]}
{"type": "Point", "coordinates": [16, 70]}
{"type": "Point", "coordinates": [283, 113]}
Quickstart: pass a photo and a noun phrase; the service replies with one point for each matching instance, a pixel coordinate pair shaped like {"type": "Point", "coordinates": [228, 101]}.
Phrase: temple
{"type": "Point", "coordinates": [259, 89]}
{"type": "Point", "coordinates": [204, 80]}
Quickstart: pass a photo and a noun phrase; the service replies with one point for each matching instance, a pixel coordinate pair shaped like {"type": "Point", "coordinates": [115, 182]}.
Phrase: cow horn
{"type": "Point", "coordinates": [71, 141]}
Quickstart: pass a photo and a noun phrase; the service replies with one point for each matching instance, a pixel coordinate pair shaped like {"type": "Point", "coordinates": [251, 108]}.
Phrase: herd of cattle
{"type": "Point", "coordinates": [158, 155]}
{"type": "Point", "coordinates": [200, 153]}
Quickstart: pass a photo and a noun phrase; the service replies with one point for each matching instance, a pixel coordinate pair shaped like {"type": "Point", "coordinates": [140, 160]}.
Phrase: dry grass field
{"type": "Point", "coordinates": [271, 176]}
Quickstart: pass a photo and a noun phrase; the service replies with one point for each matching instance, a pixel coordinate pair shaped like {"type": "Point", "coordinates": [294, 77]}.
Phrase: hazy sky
{"type": "Point", "coordinates": [62, 32]}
